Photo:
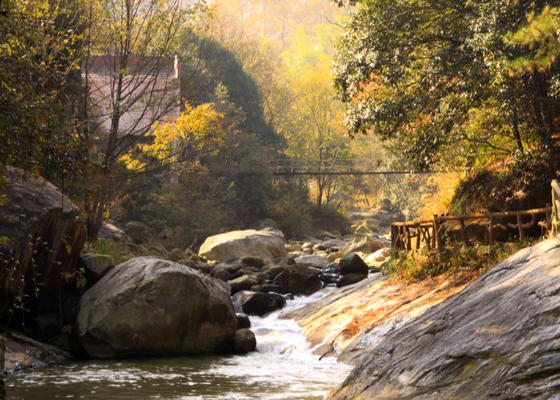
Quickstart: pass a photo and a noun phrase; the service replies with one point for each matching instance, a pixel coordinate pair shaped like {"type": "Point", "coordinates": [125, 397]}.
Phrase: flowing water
{"type": "Point", "coordinates": [283, 368]}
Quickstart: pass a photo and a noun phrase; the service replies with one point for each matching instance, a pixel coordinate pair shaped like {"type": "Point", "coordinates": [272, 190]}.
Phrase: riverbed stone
{"type": "Point", "coordinates": [96, 265]}
{"type": "Point", "coordinates": [302, 280]}
{"type": "Point", "coordinates": [292, 247]}
{"type": "Point", "coordinates": [280, 300]}
{"type": "Point", "coordinates": [231, 266]}
{"type": "Point", "coordinates": [109, 231]}
{"type": "Point", "coordinates": [350, 279]}
{"type": "Point", "coordinates": [152, 307]}
{"type": "Point", "coordinates": [498, 339]}
{"type": "Point", "coordinates": [267, 244]}
{"type": "Point", "coordinates": [137, 230]}
{"type": "Point", "coordinates": [352, 263]}
{"type": "Point", "coordinates": [366, 245]}
{"type": "Point", "coordinates": [317, 261]}
{"type": "Point", "coordinates": [255, 303]}
{"type": "Point", "coordinates": [243, 342]}
{"type": "Point", "coordinates": [253, 261]}
{"type": "Point", "coordinates": [243, 321]}
{"type": "Point", "coordinates": [242, 283]}
{"type": "Point", "coordinates": [22, 352]}
{"type": "Point", "coordinates": [378, 257]}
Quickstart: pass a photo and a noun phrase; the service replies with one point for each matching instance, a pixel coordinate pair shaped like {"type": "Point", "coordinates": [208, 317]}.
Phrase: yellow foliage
{"type": "Point", "coordinates": [197, 132]}
{"type": "Point", "coordinates": [438, 200]}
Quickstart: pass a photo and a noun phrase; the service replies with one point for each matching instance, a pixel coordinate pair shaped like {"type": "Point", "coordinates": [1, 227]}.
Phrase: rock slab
{"type": "Point", "coordinates": [498, 339]}
{"type": "Point", "coordinates": [152, 307]}
{"type": "Point", "coordinates": [45, 239]}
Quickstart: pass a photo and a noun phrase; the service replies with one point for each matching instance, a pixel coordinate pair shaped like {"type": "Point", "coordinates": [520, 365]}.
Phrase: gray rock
{"type": "Point", "coordinates": [138, 231]}
{"type": "Point", "coordinates": [253, 261]}
{"type": "Point", "coordinates": [280, 300]}
{"type": "Point", "coordinates": [23, 353]}
{"type": "Point", "coordinates": [268, 244]}
{"type": "Point", "coordinates": [174, 256]}
{"type": "Point", "coordinates": [111, 232]}
{"type": "Point", "coordinates": [366, 245]}
{"type": "Point", "coordinates": [46, 238]}
{"type": "Point", "coordinates": [300, 280]}
{"type": "Point", "coordinates": [352, 263]}
{"type": "Point", "coordinates": [231, 266]}
{"type": "Point", "coordinates": [329, 278]}
{"type": "Point", "coordinates": [315, 261]}
{"type": "Point", "coordinates": [349, 279]}
{"type": "Point", "coordinates": [255, 303]}
{"type": "Point", "coordinates": [243, 321]}
{"type": "Point", "coordinates": [96, 265]}
{"type": "Point", "coordinates": [271, 288]}
{"type": "Point", "coordinates": [498, 339]}
{"type": "Point", "coordinates": [242, 283]}
{"type": "Point", "coordinates": [243, 342]}
{"type": "Point", "coordinates": [242, 272]}
{"type": "Point", "coordinates": [152, 307]}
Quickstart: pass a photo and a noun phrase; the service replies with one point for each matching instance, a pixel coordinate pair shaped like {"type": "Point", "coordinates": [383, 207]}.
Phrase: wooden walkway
{"type": "Point", "coordinates": [334, 167]}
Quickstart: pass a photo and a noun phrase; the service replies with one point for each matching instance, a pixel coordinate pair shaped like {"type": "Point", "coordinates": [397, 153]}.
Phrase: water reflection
{"type": "Point", "coordinates": [257, 376]}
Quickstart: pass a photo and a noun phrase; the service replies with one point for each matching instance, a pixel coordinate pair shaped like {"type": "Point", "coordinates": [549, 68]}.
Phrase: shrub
{"type": "Point", "coordinates": [419, 265]}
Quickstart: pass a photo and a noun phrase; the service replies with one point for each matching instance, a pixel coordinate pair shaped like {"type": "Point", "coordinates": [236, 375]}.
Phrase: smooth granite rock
{"type": "Point", "coordinates": [497, 339]}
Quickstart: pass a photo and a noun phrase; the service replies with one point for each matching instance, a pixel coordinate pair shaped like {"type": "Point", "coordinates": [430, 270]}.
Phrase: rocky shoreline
{"type": "Point", "coordinates": [445, 337]}
{"type": "Point", "coordinates": [160, 302]}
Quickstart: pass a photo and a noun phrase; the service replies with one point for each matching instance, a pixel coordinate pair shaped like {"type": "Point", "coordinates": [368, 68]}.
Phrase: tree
{"type": "Point", "coordinates": [436, 76]}
{"type": "Point", "coordinates": [39, 62]}
{"type": "Point", "coordinates": [136, 38]}
{"type": "Point", "coordinates": [313, 126]}
{"type": "Point", "coordinates": [195, 134]}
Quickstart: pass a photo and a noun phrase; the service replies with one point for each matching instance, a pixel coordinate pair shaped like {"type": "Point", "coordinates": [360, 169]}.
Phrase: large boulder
{"type": "Point", "coordinates": [45, 239]}
{"type": "Point", "coordinates": [267, 244]}
{"type": "Point", "coordinates": [152, 307]}
{"type": "Point", "coordinates": [498, 339]}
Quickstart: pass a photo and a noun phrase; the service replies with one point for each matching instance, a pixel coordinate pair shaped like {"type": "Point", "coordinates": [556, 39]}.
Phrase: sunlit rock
{"type": "Point", "coordinates": [267, 244]}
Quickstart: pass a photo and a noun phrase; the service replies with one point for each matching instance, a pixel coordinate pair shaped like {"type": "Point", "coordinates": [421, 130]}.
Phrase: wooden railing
{"type": "Point", "coordinates": [555, 207]}
{"type": "Point", "coordinates": [430, 231]}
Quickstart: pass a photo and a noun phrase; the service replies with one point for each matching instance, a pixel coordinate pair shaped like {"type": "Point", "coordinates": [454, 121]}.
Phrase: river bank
{"type": "Point", "coordinates": [282, 368]}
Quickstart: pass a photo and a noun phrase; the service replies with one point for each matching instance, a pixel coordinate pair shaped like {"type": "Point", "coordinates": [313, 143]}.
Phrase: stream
{"type": "Point", "coordinates": [282, 368]}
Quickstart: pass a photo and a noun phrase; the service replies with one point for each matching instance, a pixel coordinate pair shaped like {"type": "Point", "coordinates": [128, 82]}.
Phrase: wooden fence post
{"type": "Point", "coordinates": [520, 225]}
{"type": "Point", "coordinates": [548, 218]}
{"type": "Point", "coordinates": [437, 235]}
{"type": "Point", "coordinates": [490, 233]}
{"type": "Point", "coordinates": [408, 246]}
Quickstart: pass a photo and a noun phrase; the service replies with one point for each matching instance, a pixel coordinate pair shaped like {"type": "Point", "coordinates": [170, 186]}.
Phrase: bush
{"type": "Point", "coordinates": [419, 265]}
